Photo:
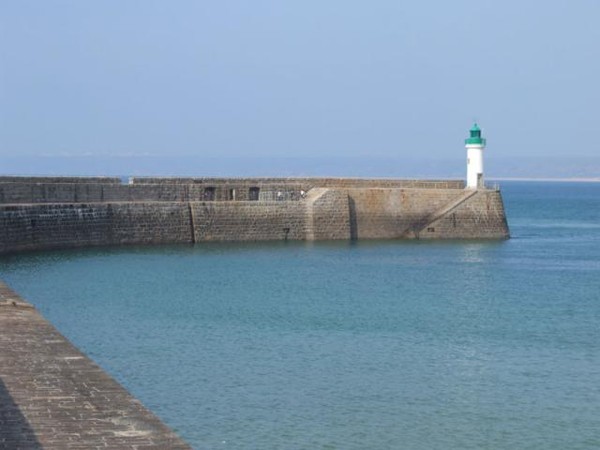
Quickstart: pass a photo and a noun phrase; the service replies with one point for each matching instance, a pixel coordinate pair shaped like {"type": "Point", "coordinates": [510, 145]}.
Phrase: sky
{"type": "Point", "coordinates": [124, 81]}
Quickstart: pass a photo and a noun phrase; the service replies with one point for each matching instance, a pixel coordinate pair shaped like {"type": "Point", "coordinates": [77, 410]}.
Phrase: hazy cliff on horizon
{"type": "Point", "coordinates": [365, 166]}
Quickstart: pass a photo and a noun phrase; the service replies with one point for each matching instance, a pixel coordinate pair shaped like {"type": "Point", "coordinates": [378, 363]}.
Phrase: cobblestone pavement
{"type": "Point", "coordinates": [52, 396]}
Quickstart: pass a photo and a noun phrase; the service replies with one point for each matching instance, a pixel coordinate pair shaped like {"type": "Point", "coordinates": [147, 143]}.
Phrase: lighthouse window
{"type": "Point", "coordinates": [468, 160]}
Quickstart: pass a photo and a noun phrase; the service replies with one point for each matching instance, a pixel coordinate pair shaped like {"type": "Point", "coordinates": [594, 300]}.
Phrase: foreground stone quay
{"type": "Point", "coordinates": [52, 396]}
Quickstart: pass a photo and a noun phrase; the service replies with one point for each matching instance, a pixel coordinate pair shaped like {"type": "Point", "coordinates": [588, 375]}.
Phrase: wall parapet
{"type": "Point", "coordinates": [84, 180]}
{"type": "Point", "coordinates": [310, 182]}
{"type": "Point", "coordinates": [82, 190]}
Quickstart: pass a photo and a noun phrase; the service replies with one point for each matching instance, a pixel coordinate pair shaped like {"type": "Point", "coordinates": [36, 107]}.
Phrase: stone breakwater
{"type": "Point", "coordinates": [50, 213]}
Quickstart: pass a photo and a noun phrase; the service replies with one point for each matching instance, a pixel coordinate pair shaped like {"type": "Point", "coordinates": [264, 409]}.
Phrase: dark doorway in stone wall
{"type": "Point", "coordinates": [231, 194]}
{"type": "Point", "coordinates": [209, 194]}
{"type": "Point", "coordinates": [253, 193]}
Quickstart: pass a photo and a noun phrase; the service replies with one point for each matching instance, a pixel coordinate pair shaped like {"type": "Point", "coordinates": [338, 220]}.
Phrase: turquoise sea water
{"type": "Point", "coordinates": [379, 345]}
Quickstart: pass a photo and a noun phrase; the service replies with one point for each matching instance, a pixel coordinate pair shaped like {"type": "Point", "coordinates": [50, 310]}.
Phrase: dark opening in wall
{"type": "Point", "coordinates": [253, 193]}
{"type": "Point", "coordinates": [209, 194]}
{"type": "Point", "coordinates": [431, 229]}
{"type": "Point", "coordinates": [231, 194]}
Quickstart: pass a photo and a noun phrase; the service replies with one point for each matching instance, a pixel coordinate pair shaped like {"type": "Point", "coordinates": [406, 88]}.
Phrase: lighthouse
{"type": "Point", "coordinates": [475, 145]}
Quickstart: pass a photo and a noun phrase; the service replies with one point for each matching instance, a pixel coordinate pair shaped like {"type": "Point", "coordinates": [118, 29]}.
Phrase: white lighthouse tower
{"type": "Point", "coordinates": [475, 145]}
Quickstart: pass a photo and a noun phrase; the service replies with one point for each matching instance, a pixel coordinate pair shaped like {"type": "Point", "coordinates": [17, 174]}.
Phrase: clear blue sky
{"type": "Point", "coordinates": [289, 78]}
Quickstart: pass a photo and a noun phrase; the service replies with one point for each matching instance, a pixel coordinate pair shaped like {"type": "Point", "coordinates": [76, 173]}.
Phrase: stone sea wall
{"type": "Point", "coordinates": [61, 213]}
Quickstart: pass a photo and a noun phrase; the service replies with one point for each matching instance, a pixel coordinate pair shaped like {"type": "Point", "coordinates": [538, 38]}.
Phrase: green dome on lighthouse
{"type": "Point", "coordinates": [475, 137]}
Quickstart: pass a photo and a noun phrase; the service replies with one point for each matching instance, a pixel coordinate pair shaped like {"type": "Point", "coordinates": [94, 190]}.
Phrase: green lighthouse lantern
{"type": "Point", "coordinates": [475, 136]}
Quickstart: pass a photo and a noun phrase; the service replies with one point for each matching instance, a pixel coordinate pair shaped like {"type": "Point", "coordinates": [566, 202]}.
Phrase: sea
{"type": "Point", "coordinates": [351, 345]}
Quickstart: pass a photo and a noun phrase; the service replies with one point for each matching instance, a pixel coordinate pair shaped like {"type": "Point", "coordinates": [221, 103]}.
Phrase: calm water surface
{"type": "Point", "coordinates": [382, 345]}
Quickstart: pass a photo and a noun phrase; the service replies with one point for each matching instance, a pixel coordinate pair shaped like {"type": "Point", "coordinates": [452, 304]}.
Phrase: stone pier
{"type": "Point", "coordinates": [52, 396]}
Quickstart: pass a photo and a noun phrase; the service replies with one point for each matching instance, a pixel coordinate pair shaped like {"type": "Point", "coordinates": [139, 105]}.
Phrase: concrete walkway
{"type": "Point", "coordinates": [52, 396]}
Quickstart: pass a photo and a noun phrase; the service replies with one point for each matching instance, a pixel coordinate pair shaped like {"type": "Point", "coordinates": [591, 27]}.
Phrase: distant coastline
{"type": "Point", "coordinates": [567, 180]}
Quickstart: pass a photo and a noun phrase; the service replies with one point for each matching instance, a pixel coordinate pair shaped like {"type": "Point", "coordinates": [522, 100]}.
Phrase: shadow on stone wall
{"type": "Point", "coordinates": [353, 221]}
{"type": "Point", "coordinates": [15, 431]}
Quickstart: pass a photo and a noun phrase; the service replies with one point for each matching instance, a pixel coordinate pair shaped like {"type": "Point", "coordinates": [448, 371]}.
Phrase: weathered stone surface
{"type": "Point", "coordinates": [41, 226]}
{"type": "Point", "coordinates": [53, 397]}
{"type": "Point", "coordinates": [248, 221]}
{"type": "Point", "coordinates": [389, 213]}
{"type": "Point", "coordinates": [328, 214]}
{"type": "Point", "coordinates": [480, 217]}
